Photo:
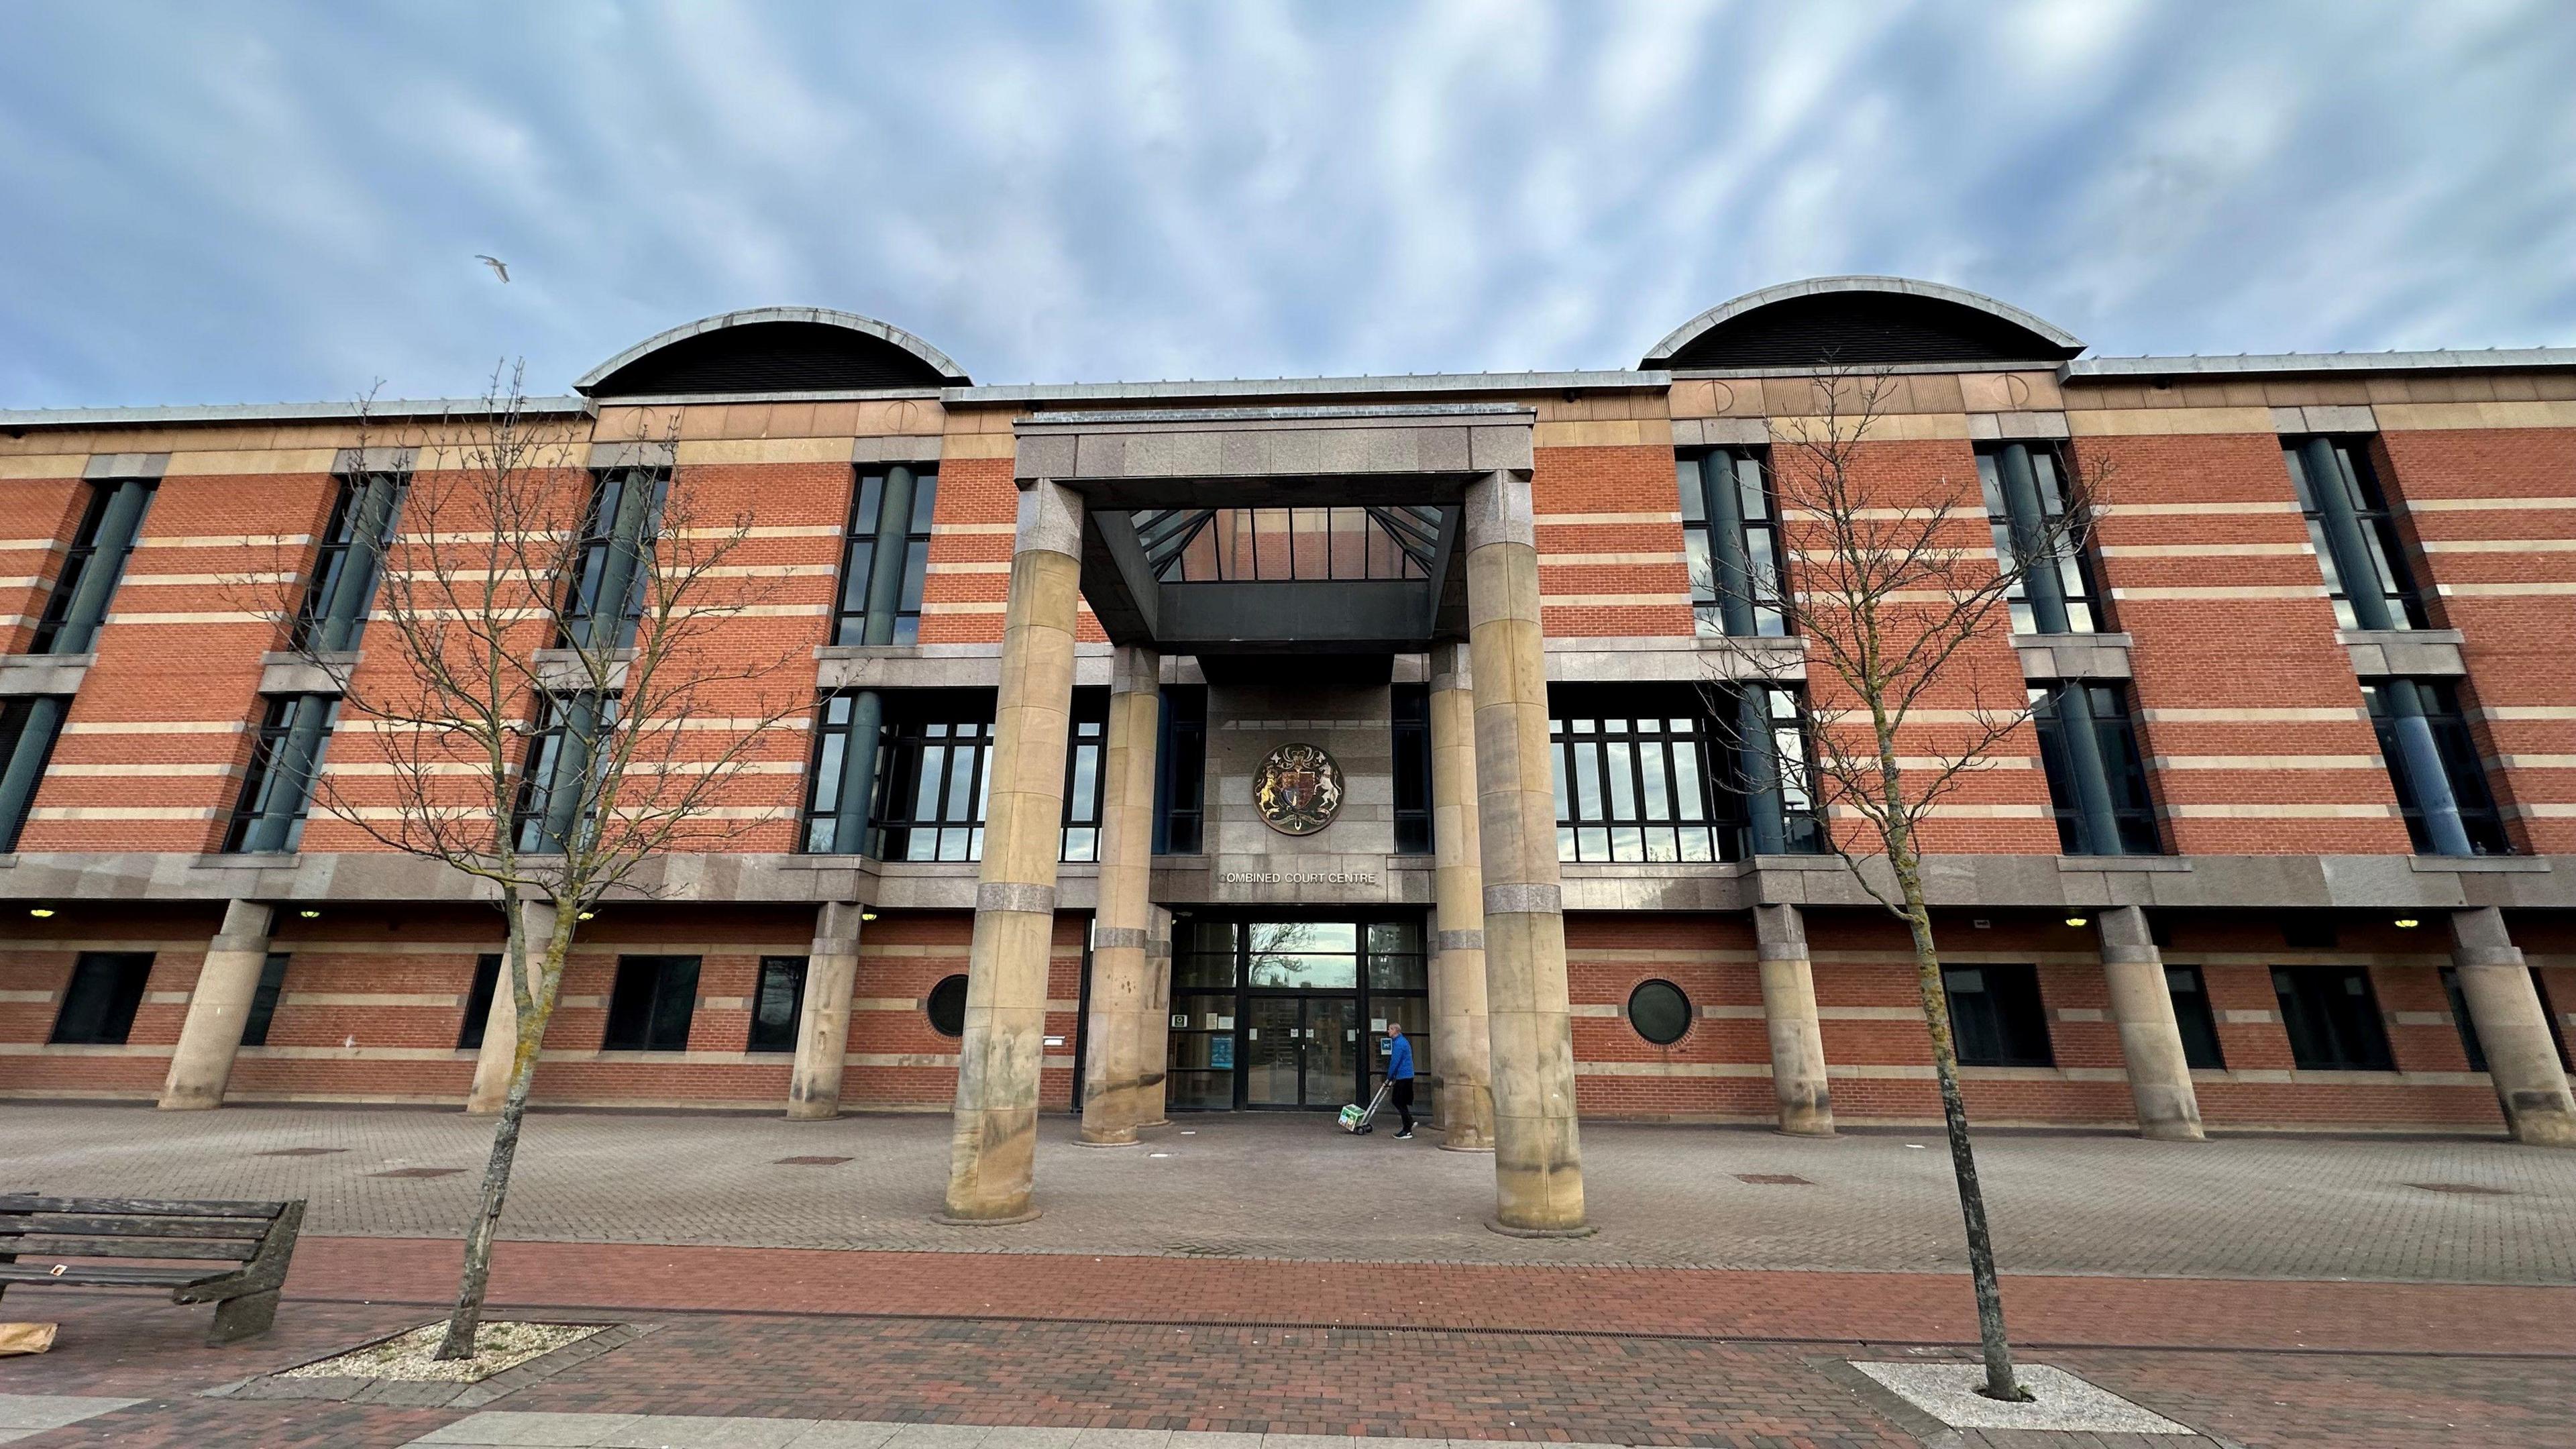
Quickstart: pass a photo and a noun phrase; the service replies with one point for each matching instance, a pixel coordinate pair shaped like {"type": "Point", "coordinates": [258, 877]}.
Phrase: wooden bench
{"type": "Point", "coordinates": [253, 1240]}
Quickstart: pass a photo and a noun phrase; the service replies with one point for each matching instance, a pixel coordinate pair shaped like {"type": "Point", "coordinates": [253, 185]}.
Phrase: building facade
{"type": "Point", "coordinates": [1403, 698]}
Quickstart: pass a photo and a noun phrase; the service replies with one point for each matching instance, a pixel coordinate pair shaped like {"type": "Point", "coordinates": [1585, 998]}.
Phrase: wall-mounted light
{"type": "Point", "coordinates": [586, 915]}
{"type": "Point", "coordinates": [310, 915]}
{"type": "Point", "coordinates": [867, 915]}
{"type": "Point", "coordinates": [41, 913]}
{"type": "Point", "coordinates": [2407, 923]}
{"type": "Point", "coordinates": [2077, 921]}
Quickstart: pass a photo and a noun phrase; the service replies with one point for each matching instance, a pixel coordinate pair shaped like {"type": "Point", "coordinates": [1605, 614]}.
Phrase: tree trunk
{"type": "Point", "coordinates": [1963, 1159]}
{"type": "Point", "coordinates": [535, 1006]}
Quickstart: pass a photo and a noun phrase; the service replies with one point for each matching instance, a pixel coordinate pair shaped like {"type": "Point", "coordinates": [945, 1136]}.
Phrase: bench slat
{"type": "Point", "coordinates": [99, 1225]}
{"type": "Point", "coordinates": [138, 1207]}
{"type": "Point", "coordinates": [109, 1275]}
{"type": "Point", "coordinates": [172, 1248]}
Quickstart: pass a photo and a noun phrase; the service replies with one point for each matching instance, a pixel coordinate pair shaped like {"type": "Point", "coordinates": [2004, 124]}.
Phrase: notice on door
{"type": "Point", "coordinates": [1221, 1053]}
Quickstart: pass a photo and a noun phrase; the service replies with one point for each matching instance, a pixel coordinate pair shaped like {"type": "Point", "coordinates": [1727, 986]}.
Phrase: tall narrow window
{"type": "Point", "coordinates": [1082, 774]}
{"type": "Point", "coordinates": [2192, 1013]}
{"type": "Point", "coordinates": [98, 1006]}
{"type": "Point", "coordinates": [1180, 791]}
{"type": "Point", "coordinates": [29, 726]}
{"type": "Point", "coordinates": [278, 791]}
{"type": "Point", "coordinates": [2026, 506]}
{"type": "Point", "coordinates": [2433, 765]}
{"type": "Point", "coordinates": [2332, 1017]}
{"type": "Point", "coordinates": [650, 1007]}
{"type": "Point", "coordinates": [2475, 1049]}
{"type": "Point", "coordinates": [2097, 778]}
{"type": "Point", "coordinates": [1731, 529]}
{"type": "Point", "coordinates": [346, 566]}
{"type": "Point", "coordinates": [91, 567]}
{"type": "Point", "coordinates": [931, 787]}
{"type": "Point", "coordinates": [1410, 705]}
{"type": "Point", "coordinates": [1772, 771]}
{"type": "Point", "coordinates": [886, 556]}
{"type": "Point", "coordinates": [774, 1006]}
{"type": "Point", "coordinates": [2355, 534]}
{"type": "Point", "coordinates": [848, 729]}
{"type": "Point", "coordinates": [562, 759]}
{"type": "Point", "coordinates": [263, 1002]}
{"type": "Point", "coordinates": [1996, 1016]}
{"type": "Point", "coordinates": [478, 1001]}
{"type": "Point", "coordinates": [604, 602]}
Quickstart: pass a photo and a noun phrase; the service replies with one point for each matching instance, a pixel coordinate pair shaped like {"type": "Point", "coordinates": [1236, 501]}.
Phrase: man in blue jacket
{"type": "Point", "coordinates": [1399, 1074]}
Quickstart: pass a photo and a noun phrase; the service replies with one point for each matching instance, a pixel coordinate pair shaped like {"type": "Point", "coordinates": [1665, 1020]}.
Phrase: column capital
{"type": "Point", "coordinates": [1498, 510]}
{"type": "Point", "coordinates": [1050, 519]}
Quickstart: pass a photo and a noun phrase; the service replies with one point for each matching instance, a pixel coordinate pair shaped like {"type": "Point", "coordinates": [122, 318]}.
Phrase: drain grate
{"type": "Point", "coordinates": [303, 1152]}
{"type": "Point", "coordinates": [1773, 1179]}
{"type": "Point", "coordinates": [811, 1161]}
{"type": "Point", "coordinates": [1204, 1250]}
{"type": "Point", "coordinates": [419, 1172]}
{"type": "Point", "coordinates": [2472, 1189]}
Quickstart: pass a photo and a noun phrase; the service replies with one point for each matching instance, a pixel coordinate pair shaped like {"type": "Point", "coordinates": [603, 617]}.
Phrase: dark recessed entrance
{"type": "Point", "coordinates": [1291, 1014]}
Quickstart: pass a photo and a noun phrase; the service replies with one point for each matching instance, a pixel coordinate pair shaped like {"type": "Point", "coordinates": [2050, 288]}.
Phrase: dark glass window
{"type": "Point", "coordinates": [1731, 528]}
{"type": "Point", "coordinates": [1660, 1012]}
{"type": "Point", "coordinates": [946, 1006]}
{"type": "Point", "coordinates": [833, 721]}
{"type": "Point", "coordinates": [278, 792]}
{"type": "Point", "coordinates": [562, 753]}
{"type": "Point", "coordinates": [861, 557]}
{"type": "Point", "coordinates": [2333, 1019]}
{"type": "Point", "coordinates": [931, 782]}
{"type": "Point", "coordinates": [2073, 571]}
{"type": "Point", "coordinates": [91, 567]}
{"type": "Point", "coordinates": [346, 565]}
{"type": "Point", "coordinates": [1201, 1066]}
{"type": "Point", "coordinates": [1411, 706]}
{"type": "Point", "coordinates": [29, 725]}
{"type": "Point", "coordinates": [2475, 1049]}
{"type": "Point", "coordinates": [478, 1001]}
{"type": "Point", "coordinates": [1996, 1016]}
{"type": "Point", "coordinates": [2383, 569]}
{"type": "Point", "coordinates": [2463, 773]}
{"type": "Point", "coordinates": [1180, 792]}
{"type": "Point", "coordinates": [263, 1002]}
{"type": "Point", "coordinates": [650, 1008]}
{"type": "Point", "coordinates": [1644, 774]}
{"type": "Point", "coordinates": [616, 537]}
{"type": "Point", "coordinates": [98, 1006]}
{"type": "Point", "coordinates": [2193, 1014]}
{"type": "Point", "coordinates": [2123, 766]}
{"type": "Point", "coordinates": [775, 1005]}
{"type": "Point", "coordinates": [1083, 781]}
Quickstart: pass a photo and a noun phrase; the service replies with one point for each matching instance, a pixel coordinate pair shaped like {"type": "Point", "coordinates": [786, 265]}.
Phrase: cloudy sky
{"type": "Point", "coordinates": [257, 202]}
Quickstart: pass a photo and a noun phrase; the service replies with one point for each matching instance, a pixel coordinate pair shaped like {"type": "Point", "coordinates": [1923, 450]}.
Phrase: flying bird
{"type": "Point", "coordinates": [499, 268]}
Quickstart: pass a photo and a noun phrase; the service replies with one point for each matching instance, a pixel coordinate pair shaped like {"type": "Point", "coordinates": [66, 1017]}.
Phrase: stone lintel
{"type": "Point", "coordinates": [2073, 656]}
{"type": "Point", "coordinates": [22, 675]}
{"type": "Point", "coordinates": [2390, 653]}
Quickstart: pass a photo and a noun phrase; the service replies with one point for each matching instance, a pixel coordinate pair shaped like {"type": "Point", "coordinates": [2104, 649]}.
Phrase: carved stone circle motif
{"type": "Point", "coordinates": [1299, 790]}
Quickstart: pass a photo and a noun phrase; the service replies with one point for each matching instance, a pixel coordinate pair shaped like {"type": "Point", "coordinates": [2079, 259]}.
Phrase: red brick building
{"type": "Point", "coordinates": [2307, 762]}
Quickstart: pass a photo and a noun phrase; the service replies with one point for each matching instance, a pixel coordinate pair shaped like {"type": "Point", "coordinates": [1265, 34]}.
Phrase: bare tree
{"type": "Point", "coordinates": [550, 705]}
{"type": "Point", "coordinates": [1893, 587]}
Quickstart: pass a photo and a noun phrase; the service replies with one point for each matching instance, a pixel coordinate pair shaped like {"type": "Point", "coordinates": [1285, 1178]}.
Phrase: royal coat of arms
{"type": "Point", "coordinates": [1299, 790]}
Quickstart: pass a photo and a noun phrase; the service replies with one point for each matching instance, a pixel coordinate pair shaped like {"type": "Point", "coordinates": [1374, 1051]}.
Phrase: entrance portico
{"type": "Point", "coordinates": [1112, 502]}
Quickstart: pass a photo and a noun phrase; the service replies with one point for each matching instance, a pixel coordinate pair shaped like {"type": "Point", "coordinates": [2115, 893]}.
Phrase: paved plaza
{"type": "Point", "coordinates": [1267, 1283]}
{"type": "Point", "coordinates": [2450, 1209]}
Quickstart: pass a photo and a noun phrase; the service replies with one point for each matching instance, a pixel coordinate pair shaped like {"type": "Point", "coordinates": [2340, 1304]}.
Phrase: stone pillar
{"type": "Point", "coordinates": [2512, 1029]}
{"type": "Point", "coordinates": [2150, 1038]}
{"type": "Point", "coordinates": [501, 1029]}
{"type": "Point", "coordinates": [1461, 1035]}
{"type": "Point", "coordinates": [218, 1006]}
{"type": "Point", "coordinates": [1115, 1060]}
{"type": "Point", "coordinates": [1157, 1051]}
{"type": "Point", "coordinates": [1789, 1013]}
{"type": "Point", "coordinates": [1538, 1160]}
{"type": "Point", "coordinates": [823, 1021]}
{"type": "Point", "coordinates": [993, 1144]}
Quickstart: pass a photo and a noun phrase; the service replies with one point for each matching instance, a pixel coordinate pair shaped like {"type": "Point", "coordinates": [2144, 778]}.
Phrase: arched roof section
{"type": "Point", "coordinates": [1861, 322]}
{"type": "Point", "coordinates": [773, 349]}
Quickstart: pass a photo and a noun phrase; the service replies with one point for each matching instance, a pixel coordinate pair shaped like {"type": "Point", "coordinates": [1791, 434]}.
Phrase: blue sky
{"type": "Point", "coordinates": [253, 202]}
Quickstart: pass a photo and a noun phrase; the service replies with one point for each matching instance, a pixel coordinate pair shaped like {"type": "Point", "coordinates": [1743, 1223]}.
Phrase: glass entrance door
{"type": "Point", "coordinates": [1301, 1051]}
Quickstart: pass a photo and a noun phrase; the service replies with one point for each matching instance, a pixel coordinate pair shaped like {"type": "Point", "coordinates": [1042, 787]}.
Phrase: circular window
{"type": "Point", "coordinates": [1659, 1012]}
{"type": "Point", "coordinates": [946, 1007]}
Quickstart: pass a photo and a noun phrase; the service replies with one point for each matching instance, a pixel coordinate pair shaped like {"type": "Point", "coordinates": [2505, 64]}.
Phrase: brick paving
{"type": "Point", "coordinates": [2252, 1206]}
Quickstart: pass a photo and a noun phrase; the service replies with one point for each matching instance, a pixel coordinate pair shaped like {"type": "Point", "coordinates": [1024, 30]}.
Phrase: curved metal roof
{"type": "Point", "coordinates": [1662, 353]}
{"type": "Point", "coordinates": [949, 372]}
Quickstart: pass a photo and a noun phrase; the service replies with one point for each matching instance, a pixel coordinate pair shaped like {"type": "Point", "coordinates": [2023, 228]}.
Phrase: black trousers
{"type": "Point", "coordinates": [1402, 1098]}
